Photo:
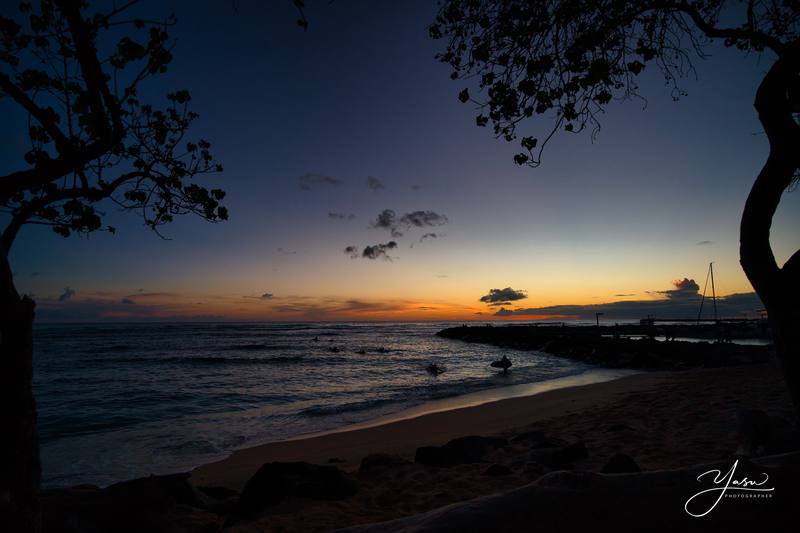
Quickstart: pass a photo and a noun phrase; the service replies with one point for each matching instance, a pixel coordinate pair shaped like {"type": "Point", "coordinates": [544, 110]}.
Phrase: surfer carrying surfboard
{"type": "Point", "coordinates": [504, 363]}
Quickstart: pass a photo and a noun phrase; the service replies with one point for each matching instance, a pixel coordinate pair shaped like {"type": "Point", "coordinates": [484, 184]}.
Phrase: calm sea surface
{"type": "Point", "coordinates": [118, 401]}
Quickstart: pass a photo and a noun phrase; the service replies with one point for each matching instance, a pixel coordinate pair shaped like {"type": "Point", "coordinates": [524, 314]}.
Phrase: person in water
{"type": "Point", "coordinates": [435, 369]}
{"type": "Point", "coordinates": [503, 363]}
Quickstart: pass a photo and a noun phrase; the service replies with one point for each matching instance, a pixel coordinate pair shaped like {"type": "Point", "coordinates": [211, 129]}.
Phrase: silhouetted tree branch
{"type": "Point", "coordinates": [91, 140]}
{"type": "Point", "coordinates": [88, 124]}
{"type": "Point", "coordinates": [568, 59]}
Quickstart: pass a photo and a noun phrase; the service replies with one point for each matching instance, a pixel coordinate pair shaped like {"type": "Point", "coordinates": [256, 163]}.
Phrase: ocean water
{"type": "Point", "coordinates": [118, 401]}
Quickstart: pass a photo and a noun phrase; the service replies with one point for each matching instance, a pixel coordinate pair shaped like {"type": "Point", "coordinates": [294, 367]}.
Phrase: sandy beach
{"type": "Point", "coordinates": [348, 446]}
{"type": "Point", "coordinates": [661, 420]}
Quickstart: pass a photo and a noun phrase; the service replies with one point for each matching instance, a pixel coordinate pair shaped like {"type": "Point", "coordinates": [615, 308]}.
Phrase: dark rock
{"type": "Point", "coordinates": [619, 427]}
{"type": "Point", "coordinates": [334, 460]}
{"type": "Point", "coordinates": [219, 493]}
{"type": "Point", "coordinates": [431, 456]}
{"type": "Point", "coordinates": [533, 435]}
{"type": "Point", "coordinates": [156, 503]}
{"type": "Point", "coordinates": [754, 430]}
{"type": "Point", "coordinates": [547, 457]}
{"type": "Point", "coordinates": [560, 457]}
{"type": "Point", "coordinates": [220, 500]}
{"type": "Point", "coordinates": [534, 470]}
{"type": "Point", "coordinates": [161, 491]}
{"type": "Point", "coordinates": [463, 450]}
{"type": "Point", "coordinates": [472, 449]}
{"type": "Point", "coordinates": [538, 439]}
{"type": "Point", "coordinates": [572, 452]}
{"type": "Point", "coordinates": [376, 461]}
{"type": "Point", "coordinates": [620, 464]}
{"type": "Point", "coordinates": [275, 482]}
{"type": "Point", "coordinates": [497, 470]}
{"type": "Point", "coordinates": [783, 436]}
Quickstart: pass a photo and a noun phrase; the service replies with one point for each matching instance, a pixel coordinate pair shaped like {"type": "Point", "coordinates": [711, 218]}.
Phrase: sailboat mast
{"type": "Point", "coordinates": [713, 291]}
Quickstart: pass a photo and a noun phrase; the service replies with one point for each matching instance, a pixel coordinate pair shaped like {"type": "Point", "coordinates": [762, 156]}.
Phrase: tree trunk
{"type": "Point", "coordinates": [778, 288]}
{"type": "Point", "coordinates": [20, 468]}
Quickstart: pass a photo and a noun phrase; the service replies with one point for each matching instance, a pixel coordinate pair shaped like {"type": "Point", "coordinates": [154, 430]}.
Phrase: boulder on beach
{"type": "Point", "coordinates": [275, 482]}
{"type": "Point", "coordinates": [537, 439]}
{"type": "Point", "coordinates": [154, 504]}
{"type": "Point", "coordinates": [463, 450]}
{"type": "Point", "coordinates": [557, 457]}
{"type": "Point", "coordinates": [497, 470]}
{"type": "Point", "coordinates": [378, 461]}
{"type": "Point", "coordinates": [620, 463]}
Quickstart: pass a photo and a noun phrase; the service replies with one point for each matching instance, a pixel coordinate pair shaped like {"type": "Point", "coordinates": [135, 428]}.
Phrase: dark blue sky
{"type": "Point", "coordinates": [359, 94]}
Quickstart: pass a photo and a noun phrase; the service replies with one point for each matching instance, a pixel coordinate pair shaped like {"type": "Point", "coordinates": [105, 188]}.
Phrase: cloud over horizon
{"type": "Point", "coordinates": [684, 288]}
{"type": "Point", "coordinates": [505, 296]}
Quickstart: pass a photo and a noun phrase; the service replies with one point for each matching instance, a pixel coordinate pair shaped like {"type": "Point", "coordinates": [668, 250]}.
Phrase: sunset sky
{"type": "Point", "coordinates": [354, 117]}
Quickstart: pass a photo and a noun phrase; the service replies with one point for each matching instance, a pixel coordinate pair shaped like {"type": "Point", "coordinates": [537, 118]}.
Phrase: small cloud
{"type": "Point", "coordinates": [387, 219]}
{"type": "Point", "coordinates": [66, 295]}
{"type": "Point", "coordinates": [504, 312]}
{"type": "Point", "coordinates": [284, 251]}
{"type": "Point", "coordinates": [415, 187]}
{"type": "Point", "coordinates": [684, 288]}
{"type": "Point", "coordinates": [267, 296]}
{"type": "Point", "coordinates": [423, 218]}
{"type": "Point", "coordinates": [35, 274]}
{"type": "Point", "coordinates": [374, 183]}
{"type": "Point", "coordinates": [705, 243]}
{"type": "Point", "coordinates": [128, 301]}
{"type": "Point", "coordinates": [502, 296]}
{"type": "Point", "coordinates": [621, 295]}
{"type": "Point", "coordinates": [311, 181]}
{"type": "Point", "coordinates": [341, 216]}
{"type": "Point", "coordinates": [429, 236]}
{"type": "Point", "coordinates": [442, 276]}
{"type": "Point", "coordinates": [378, 251]}
{"type": "Point", "coordinates": [352, 251]}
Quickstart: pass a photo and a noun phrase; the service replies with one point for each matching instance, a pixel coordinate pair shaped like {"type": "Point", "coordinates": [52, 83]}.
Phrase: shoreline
{"type": "Point", "coordinates": [589, 376]}
{"type": "Point", "coordinates": [486, 412]}
{"type": "Point", "coordinates": [653, 431]}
